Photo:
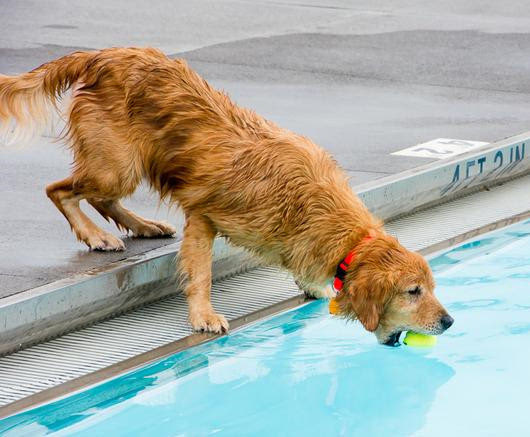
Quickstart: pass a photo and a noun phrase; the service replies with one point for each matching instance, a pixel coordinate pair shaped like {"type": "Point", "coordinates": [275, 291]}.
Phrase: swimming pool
{"type": "Point", "coordinates": [305, 372]}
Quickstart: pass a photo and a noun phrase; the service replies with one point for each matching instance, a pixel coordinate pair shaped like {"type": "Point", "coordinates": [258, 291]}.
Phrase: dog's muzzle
{"type": "Point", "coordinates": [393, 340]}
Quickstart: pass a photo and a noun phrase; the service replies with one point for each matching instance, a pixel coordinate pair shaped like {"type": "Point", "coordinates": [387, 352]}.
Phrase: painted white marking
{"type": "Point", "coordinates": [440, 148]}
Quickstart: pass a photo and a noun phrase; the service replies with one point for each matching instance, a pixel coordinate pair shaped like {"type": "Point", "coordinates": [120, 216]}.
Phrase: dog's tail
{"type": "Point", "coordinates": [28, 101]}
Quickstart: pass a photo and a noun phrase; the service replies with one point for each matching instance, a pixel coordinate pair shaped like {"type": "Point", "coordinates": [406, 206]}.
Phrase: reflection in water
{"type": "Point", "coordinates": [297, 367]}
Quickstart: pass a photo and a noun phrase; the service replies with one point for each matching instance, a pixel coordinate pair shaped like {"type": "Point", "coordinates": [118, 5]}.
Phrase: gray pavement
{"type": "Point", "coordinates": [362, 80]}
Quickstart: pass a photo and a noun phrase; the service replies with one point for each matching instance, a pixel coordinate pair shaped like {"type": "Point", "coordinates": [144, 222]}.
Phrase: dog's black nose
{"type": "Point", "coordinates": [446, 321]}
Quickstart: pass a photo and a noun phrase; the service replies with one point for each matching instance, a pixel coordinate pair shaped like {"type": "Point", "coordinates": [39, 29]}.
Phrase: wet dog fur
{"type": "Point", "coordinates": [136, 115]}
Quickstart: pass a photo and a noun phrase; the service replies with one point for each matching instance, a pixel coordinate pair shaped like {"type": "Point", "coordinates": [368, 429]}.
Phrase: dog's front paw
{"type": "Point", "coordinates": [318, 291]}
{"type": "Point", "coordinates": [208, 321]}
{"type": "Point", "coordinates": [328, 292]}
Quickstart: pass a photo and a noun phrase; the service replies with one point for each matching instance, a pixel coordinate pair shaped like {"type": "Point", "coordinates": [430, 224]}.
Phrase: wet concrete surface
{"type": "Point", "coordinates": [362, 81]}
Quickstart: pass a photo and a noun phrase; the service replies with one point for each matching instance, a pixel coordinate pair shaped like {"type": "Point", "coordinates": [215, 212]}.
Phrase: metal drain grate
{"type": "Point", "coordinates": [444, 222]}
{"type": "Point", "coordinates": [88, 350]}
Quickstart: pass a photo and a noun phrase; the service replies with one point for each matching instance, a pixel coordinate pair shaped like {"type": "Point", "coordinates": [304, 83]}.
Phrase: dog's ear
{"type": "Point", "coordinates": [370, 281]}
{"type": "Point", "coordinates": [368, 289]}
{"type": "Point", "coordinates": [367, 302]}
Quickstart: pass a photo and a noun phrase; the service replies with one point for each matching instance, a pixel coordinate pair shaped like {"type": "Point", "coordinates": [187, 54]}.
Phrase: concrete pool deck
{"type": "Point", "coordinates": [363, 81]}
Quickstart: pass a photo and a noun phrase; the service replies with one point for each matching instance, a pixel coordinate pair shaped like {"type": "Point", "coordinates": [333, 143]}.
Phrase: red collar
{"type": "Point", "coordinates": [342, 268]}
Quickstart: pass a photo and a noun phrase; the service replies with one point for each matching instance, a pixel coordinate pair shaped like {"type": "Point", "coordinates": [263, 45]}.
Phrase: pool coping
{"type": "Point", "coordinates": [53, 309]}
{"type": "Point", "coordinates": [131, 364]}
{"type": "Point", "coordinates": [441, 181]}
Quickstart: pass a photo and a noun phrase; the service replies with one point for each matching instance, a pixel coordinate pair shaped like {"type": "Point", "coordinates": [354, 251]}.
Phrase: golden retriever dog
{"type": "Point", "coordinates": [137, 114]}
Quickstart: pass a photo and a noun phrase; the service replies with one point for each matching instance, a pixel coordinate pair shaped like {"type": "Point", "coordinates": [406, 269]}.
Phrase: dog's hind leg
{"type": "Point", "coordinates": [66, 198]}
{"type": "Point", "coordinates": [196, 264]}
{"type": "Point", "coordinates": [128, 220]}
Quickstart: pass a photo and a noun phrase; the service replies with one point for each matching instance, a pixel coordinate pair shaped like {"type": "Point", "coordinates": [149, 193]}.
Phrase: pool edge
{"type": "Point", "coordinates": [113, 371]}
{"type": "Point", "coordinates": [53, 309]}
{"type": "Point", "coordinates": [140, 273]}
{"type": "Point", "coordinates": [107, 373]}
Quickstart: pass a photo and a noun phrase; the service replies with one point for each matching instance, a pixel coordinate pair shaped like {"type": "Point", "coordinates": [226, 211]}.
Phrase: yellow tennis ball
{"type": "Point", "coordinates": [333, 306]}
{"type": "Point", "coordinates": [419, 340]}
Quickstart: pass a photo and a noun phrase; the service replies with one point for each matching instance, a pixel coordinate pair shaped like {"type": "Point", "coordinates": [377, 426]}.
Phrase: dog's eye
{"type": "Point", "coordinates": [416, 291]}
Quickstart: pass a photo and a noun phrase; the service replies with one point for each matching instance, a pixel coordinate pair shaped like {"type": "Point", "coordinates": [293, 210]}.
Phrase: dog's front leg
{"type": "Point", "coordinates": [196, 264]}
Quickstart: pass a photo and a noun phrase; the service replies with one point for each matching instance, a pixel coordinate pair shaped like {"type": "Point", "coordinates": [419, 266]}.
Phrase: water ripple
{"type": "Point", "coordinates": [472, 304]}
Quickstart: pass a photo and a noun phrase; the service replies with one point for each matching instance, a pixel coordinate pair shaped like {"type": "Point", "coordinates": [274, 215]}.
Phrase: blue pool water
{"type": "Point", "coordinates": [307, 373]}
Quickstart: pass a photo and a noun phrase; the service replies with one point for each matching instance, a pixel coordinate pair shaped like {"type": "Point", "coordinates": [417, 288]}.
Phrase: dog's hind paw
{"type": "Point", "coordinates": [103, 241]}
{"type": "Point", "coordinates": [167, 229]}
{"type": "Point", "coordinates": [152, 228]}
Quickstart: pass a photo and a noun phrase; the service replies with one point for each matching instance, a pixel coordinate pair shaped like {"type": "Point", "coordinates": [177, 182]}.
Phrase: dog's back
{"type": "Point", "coordinates": [135, 113]}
